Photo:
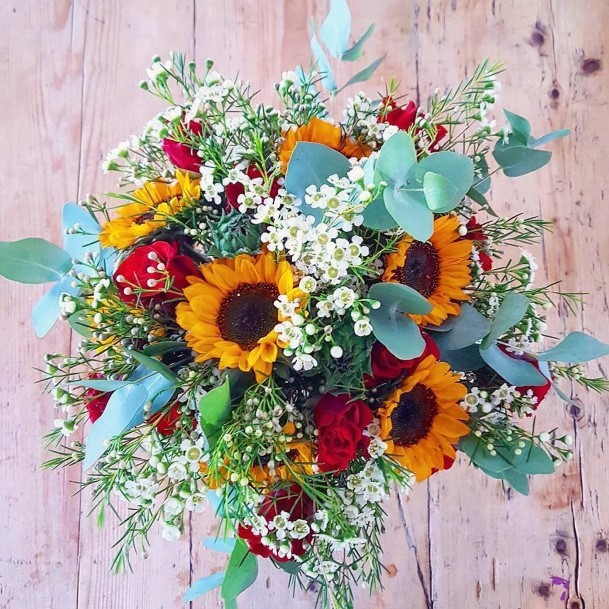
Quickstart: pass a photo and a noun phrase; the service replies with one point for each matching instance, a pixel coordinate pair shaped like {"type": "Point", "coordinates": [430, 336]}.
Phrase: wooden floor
{"type": "Point", "coordinates": [68, 94]}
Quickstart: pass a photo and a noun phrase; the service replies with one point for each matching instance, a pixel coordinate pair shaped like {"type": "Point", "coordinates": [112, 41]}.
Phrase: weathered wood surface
{"type": "Point", "coordinates": [69, 73]}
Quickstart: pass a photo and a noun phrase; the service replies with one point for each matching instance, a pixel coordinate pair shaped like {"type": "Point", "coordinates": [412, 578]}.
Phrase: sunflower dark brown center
{"type": "Point", "coordinates": [149, 215]}
{"type": "Point", "coordinates": [248, 313]}
{"type": "Point", "coordinates": [421, 269]}
{"type": "Point", "coordinates": [413, 417]}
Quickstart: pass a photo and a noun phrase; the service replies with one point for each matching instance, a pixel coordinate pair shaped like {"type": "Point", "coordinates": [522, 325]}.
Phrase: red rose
{"type": "Point", "coordinates": [234, 189]}
{"type": "Point", "coordinates": [297, 504]}
{"type": "Point", "coordinates": [340, 424]}
{"type": "Point", "coordinates": [95, 403]}
{"type": "Point", "coordinates": [404, 118]}
{"type": "Point", "coordinates": [539, 391]}
{"type": "Point", "coordinates": [165, 422]}
{"type": "Point", "coordinates": [386, 366]}
{"type": "Point", "coordinates": [154, 272]}
{"type": "Point", "coordinates": [475, 233]}
{"type": "Point", "coordinates": [180, 154]}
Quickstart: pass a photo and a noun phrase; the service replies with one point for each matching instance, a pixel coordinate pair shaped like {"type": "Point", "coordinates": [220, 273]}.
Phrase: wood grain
{"type": "Point", "coordinates": [69, 93]}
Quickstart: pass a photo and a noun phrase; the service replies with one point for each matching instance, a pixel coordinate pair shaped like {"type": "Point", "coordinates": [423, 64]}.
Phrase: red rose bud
{"type": "Point", "coordinates": [475, 233]}
{"type": "Point", "coordinates": [340, 425]}
{"type": "Point", "coordinates": [165, 422]}
{"type": "Point", "coordinates": [402, 118]}
{"type": "Point", "coordinates": [297, 504]}
{"type": "Point", "coordinates": [386, 366]}
{"type": "Point", "coordinates": [180, 154]}
{"type": "Point", "coordinates": [96, 403]}
{"type": "Point", "coordinates": [154, 272]}
{"type": "Point", "coordinates": [234, 189]}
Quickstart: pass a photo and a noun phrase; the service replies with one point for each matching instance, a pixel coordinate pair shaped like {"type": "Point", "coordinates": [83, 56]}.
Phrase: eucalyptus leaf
{"type": "Point", "coordinates": [397, 332]}
{"type": "Point", "coordinates": [410, 213]}
{"type": "Point", "coordinates": [402, 298]}
{"type": "Point", "coordinates": [518, 481]}
{"type": "Point", "coordinates": [356, 51]}
{"type": "Point", "coordinates": [33, 260]}
{"type": "Point", "coordinates": [476, 450]}
{"type": "Point", "coordinates": [377, 217]}
{"type": "Point", "coordinates": [323, 65]}
{"type": "Point", "coordinates": [512, 309]}
{"type": "Point", "coordinates": [575, 348]}
{"type": "Point", "coordinates": [515, 372]}
{"type": "Point", "coordinates": [336, 28]}
{"type": "Point", "coordinates": [100, 384]}
{"type": "Point", "coordinates": [462, 360]}
{"type": "Point", "coordinates": [549, 137]}
{"type": "Point", "coordinates": [396, 157]}
{"type": "Point", "coordinates": [521, 128]}
{"type": "Point", "coordinates": [241, 571]}
{"type": "Point", "coordinates": [46, 311]}
{"type": "Point", "coordinates": [452, 177]}
{"type": "Point", "coordinates": [219, 544]}
{"type": "Point", "coordinates": [365, 74]}
{"type": "Point", "coordinates": [533, 460]}
{"type": "Point", "coordinates": [517, 161]}
{"type": "Point", "coordinates": [86, 237]}
{"type": "Point", "coordinates": [311, 165]}
{"type": "Point", "coordinates": [460, 331]}
{"type": "Point", "coordinates": [125, 410]}
{"type": "Point", "coordinates": [203, 585]}
{"type": "Point", "coordinates": [79, 323]}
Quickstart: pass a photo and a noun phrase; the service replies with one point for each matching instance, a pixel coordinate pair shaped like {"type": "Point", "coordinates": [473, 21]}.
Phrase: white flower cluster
{"type": "Point", "coordinates": [317, 250]}
{"type": "Point", "coordinates": [298, 95]}
{"type": "Point", "coordinates": [505, 398]}
{"type": "Point", "coordinates": [361, 114]}
{"type": "Point", "coordinates": [279, 532]}
{"type": "Point", "coordinates": [212, 95]}
{"type": "Point", "coordinates": [255, 192]}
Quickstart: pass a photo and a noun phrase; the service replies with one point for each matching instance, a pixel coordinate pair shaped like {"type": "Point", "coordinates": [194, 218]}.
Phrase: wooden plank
{"type": "Point", "coordinates": [486, 550]}
{"type": "Point", "coordinates": [40, 97]}
{"type": "Point", "coordinates": [469, 538]}
{"type": "Point", "coordinates": [121, 37]}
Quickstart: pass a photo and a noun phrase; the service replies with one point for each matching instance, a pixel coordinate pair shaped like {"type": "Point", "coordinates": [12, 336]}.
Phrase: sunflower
{"type": "Point", "coordinates": [230, 313]}
{"type": "Point", "coordinates": [438, 269]}
{"type": "Point", "coordinates": [151, 206]}
{"type": "Point", "coordinates": [421, 421]}
{"type": "Point", "coordinates": [320, 132]}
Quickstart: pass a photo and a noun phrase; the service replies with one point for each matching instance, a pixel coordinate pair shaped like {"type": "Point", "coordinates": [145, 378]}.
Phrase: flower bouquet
{"type": "Point", "coordinates": [287, 316]}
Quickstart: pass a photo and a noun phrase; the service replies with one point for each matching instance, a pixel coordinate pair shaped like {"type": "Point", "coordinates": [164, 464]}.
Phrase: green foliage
{"type": "Point", "coordinates": [233, 233]}
{"type": "Point", "coordinates": [356, 51]}
{"type": "Point", "coordinates": [241, 571]}
{"type": "Point", "coordinates": [451, 177]}
{"type": "Point", "coordinates": [460, 331]}
{"type": "Point", "coordinates": [415, 190]}
{"type": "Point", "coordinates": [401, 298]}
{"type": "Point", "coordinates": [504, 463]}
{"type": "Point", "coordinates": [336, 28]}
{"type": "Point", "coordinates": [365, 74]}
{"type": "Point", "coordinates": [33, 260]}
{"type": "Point", "coordinates": [518, 156]}
{"type": "Point", "coordinates": [512, 309]}
{"type": "Point", "coordinates": [576, 347]}
{"type": "Point", "coordinates": [515, 372]}
{"type": "Point", "coordinates": [203, 585]}
{"type": "Point", "coordinates": [215, 410]}
{"type": "Point", "coordinates": [152, 364]}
